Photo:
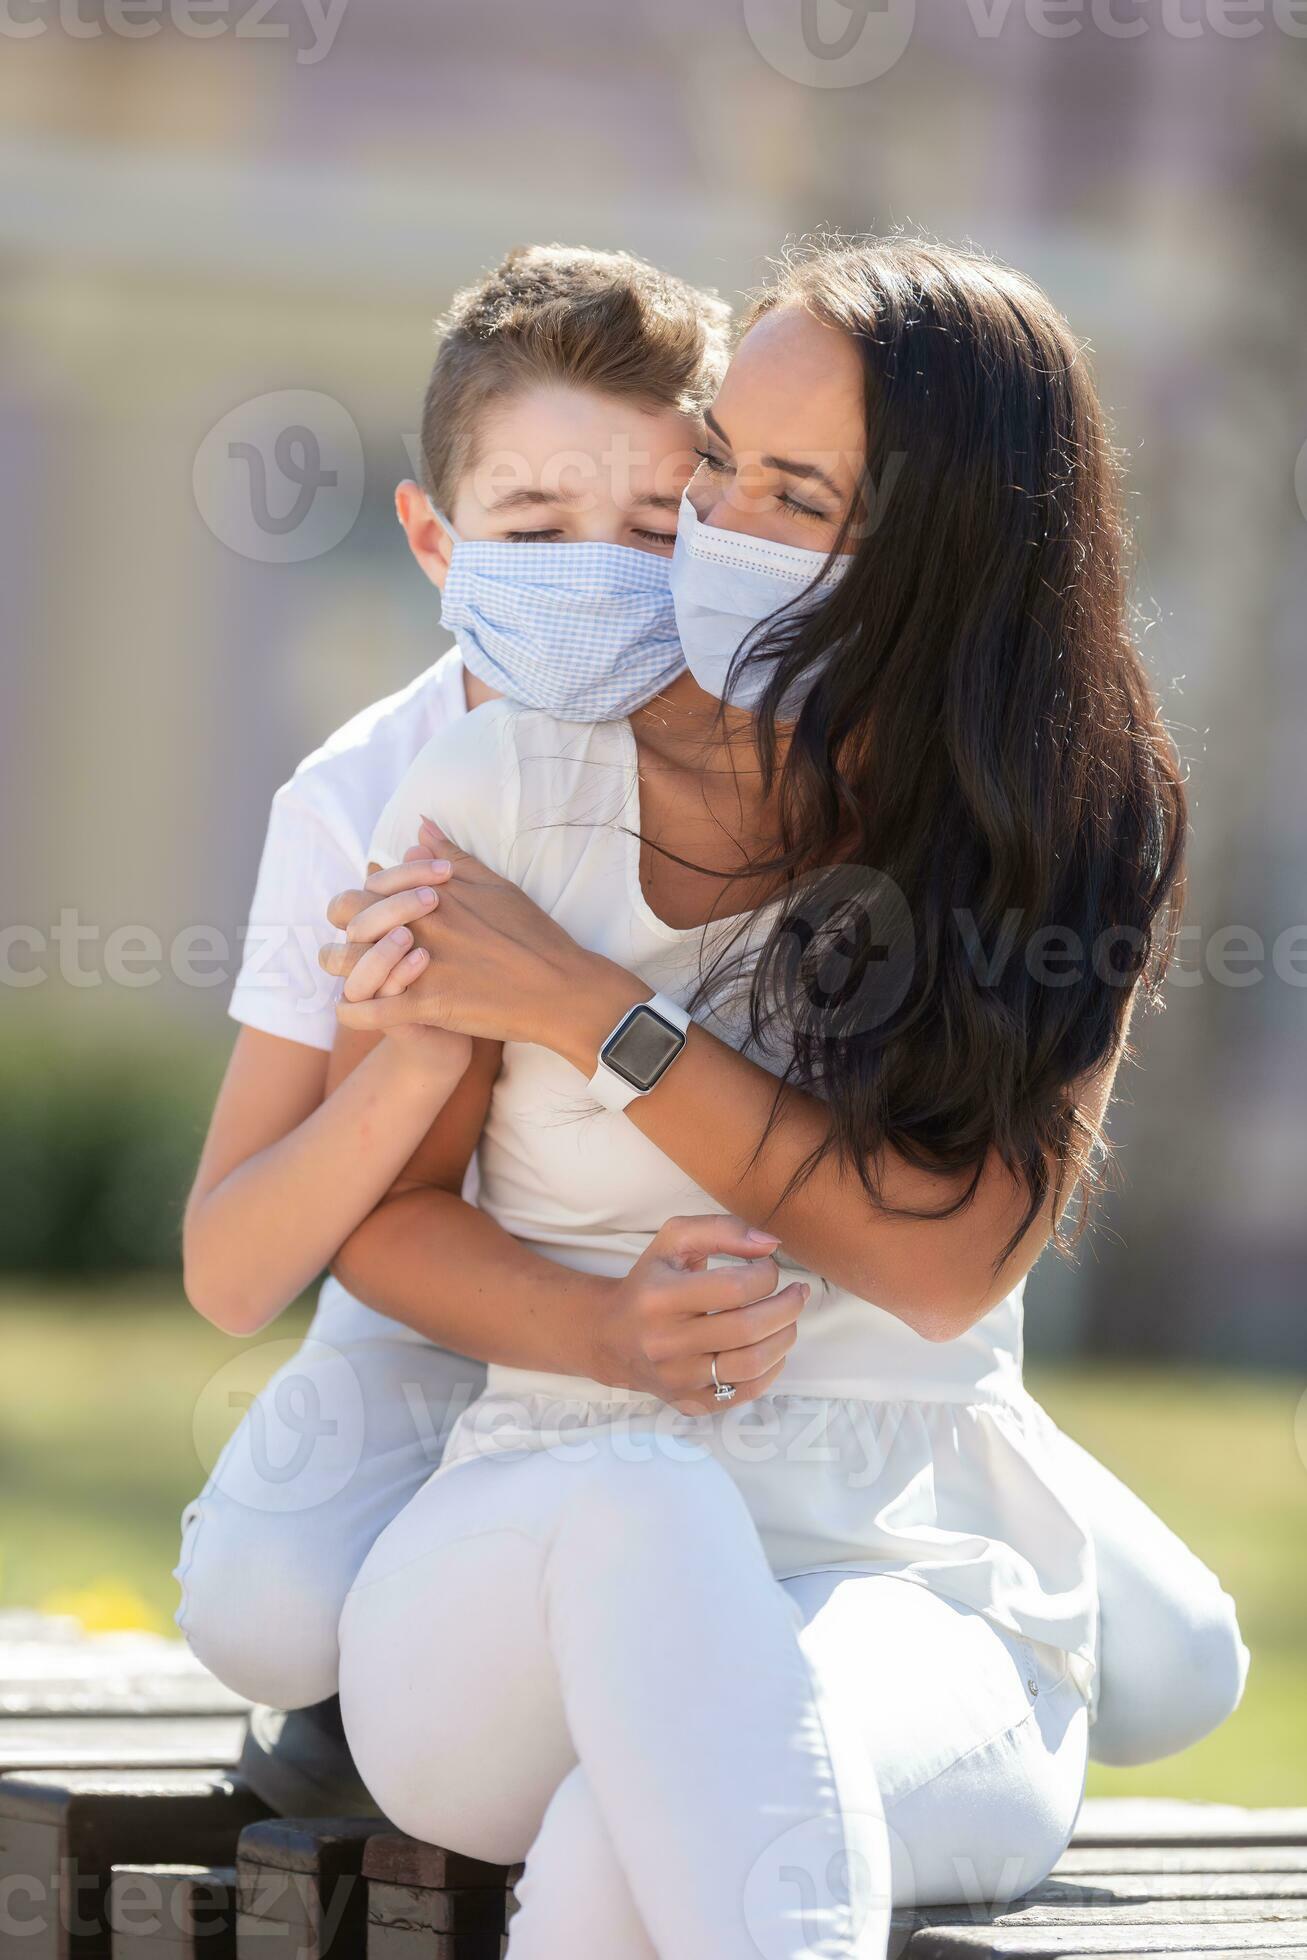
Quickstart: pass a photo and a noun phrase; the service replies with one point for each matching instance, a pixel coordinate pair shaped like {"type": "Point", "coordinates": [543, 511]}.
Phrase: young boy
{"type": "Point", "coordinates": [563, 407]}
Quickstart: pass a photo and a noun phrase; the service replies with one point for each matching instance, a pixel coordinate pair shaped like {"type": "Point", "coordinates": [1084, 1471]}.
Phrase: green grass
{"type": "Point", "coordinates": [103, 1392]}
{"type": "Point", "coordinates": [1219, 1457]}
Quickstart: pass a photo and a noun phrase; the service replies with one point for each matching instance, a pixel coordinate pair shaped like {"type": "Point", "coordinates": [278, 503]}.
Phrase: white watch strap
{"type": "Point", "coordinates": [612, 1089]}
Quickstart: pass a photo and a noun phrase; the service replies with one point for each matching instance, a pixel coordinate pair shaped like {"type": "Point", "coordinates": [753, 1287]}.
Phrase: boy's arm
{"type": "Point", "coordinates": [285, 1174]}
{"type": "Point", "coordinates": [434, 1262]}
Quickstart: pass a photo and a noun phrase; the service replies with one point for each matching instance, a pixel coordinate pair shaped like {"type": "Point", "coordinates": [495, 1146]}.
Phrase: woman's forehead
{"type": "Point", "coordinates": [793, 384]}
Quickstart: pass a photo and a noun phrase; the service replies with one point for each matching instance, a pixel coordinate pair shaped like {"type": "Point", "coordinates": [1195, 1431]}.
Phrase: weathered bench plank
{"type": "Point", "coordinates": [173, 1912]}
{"type": "Point", "coordinates": [426, 1903]}
{"type": "Point", "coordinates": [1141, 1888]}
{"type": "Point", "coordinates": [121, 1742]}
{"type": "Point", "coordinates": [300, 1888]}
{"type": "Point", "coordinates": [393, 1859]}
{"type": "Point", "coordinates": [51, 1668]}
{"type": "Point", "coordinates": [147, 1858]}
{"type": "Point", "coordinates": [1143, 1877]}
{"type": "Point", "coordinates": [1034, 1911]}
{"type": "Point", "coordinates": [1057, 1943]}
{"type": "Point", "coordinates": [470, 1909]}
{"type": "Point", "coordinates": [62, 1832]}
{"type": "Point", "coordinates": [1211, 1858]}
{"type": "Point", "coordinates": [1133, 1822]}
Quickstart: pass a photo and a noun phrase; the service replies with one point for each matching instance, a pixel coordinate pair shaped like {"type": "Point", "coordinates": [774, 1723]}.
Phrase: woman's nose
{"type": "Point", "coordinates": [717, 510]}
{"type": "Point", "coordinates": [704, 495]}
{"type": "Point", "coordinates": [728, 513]}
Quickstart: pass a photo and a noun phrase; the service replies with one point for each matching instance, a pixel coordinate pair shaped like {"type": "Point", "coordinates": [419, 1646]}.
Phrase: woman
{"type": "Point", "coordinates": [916, 867]}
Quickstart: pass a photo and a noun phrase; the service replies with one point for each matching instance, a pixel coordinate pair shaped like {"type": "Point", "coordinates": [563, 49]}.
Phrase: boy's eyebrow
{"type": "Point", "coordinates": [532, 499]}
{"type": "Point", "coordinates": [808, 471]}
{"type": "Point", "coordinates": [535, 499]}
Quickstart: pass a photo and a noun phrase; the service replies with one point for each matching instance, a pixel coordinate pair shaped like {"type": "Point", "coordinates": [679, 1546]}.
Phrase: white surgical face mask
{"type": "Point", "coordinates": [586, 632]}
{"type": "Point", "coordinates": [724, 584]}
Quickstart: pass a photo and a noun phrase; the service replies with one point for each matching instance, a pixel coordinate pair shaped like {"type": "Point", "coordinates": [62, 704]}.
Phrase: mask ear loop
{"type": "Point", "coordinates": [443, 522]}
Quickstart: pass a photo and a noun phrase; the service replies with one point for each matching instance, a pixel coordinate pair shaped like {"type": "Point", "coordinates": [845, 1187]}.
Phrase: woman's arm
{"type": "Point", "coordinates": [436, 1263]}
{"type": "Point", "coordinates": [499, 965]}
{"type": "Point", "coordinates": [285, 1174]}
{"type": "Point", "coordinates": [936, 1273]}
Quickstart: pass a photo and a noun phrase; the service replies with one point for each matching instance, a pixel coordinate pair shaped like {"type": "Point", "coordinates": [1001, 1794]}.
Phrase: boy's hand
{"type": "Point", "coordinates": [385, 959]}
{"type": "Point", "coordinates": [498, 966]}
{"type": "Point", "coordinates": [671, 1316]}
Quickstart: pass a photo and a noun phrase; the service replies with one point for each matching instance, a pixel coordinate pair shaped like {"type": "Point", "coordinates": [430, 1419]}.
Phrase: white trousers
{"type": "Point", "coordinates": [589, 1664]}
{"type": "Point", "coordinates": [348, 1431]}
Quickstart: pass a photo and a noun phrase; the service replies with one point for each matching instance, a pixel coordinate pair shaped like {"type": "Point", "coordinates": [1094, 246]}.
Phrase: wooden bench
{"type": "Point", "coordinates": [125, 1834]}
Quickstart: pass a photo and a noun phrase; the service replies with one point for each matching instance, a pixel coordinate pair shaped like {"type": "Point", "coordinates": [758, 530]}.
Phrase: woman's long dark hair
{"type": "Point", "coordinates": [979, 752]}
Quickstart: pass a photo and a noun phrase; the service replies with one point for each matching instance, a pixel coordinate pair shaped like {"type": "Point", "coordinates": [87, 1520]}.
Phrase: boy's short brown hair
{"type": "Point", "coordinates": [601, 320]}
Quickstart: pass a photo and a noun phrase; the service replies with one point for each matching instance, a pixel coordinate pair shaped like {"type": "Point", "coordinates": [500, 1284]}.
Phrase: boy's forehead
{"type": "Point", "coordinates": [574, 444]}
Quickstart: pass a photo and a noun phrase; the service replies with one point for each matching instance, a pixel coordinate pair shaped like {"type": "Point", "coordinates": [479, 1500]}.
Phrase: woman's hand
{"type": "Point", "coordinates": [492, 964]}
{"type": "Point", "coordinates": [671, 1316]}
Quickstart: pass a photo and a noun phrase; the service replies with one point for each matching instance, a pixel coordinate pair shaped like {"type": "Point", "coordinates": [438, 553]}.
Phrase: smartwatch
{"type": "Point", "coordinates": [639, 1051]}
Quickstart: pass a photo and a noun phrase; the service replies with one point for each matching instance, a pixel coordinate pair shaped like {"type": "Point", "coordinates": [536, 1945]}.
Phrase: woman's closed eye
{"type": "Point", "coordinates": [787, 502]}
{"type": "Point", "coordinates": [718, 466]}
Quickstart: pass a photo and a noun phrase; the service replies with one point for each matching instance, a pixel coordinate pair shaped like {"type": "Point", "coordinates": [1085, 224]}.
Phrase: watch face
{"type": "Point", "coordinates": [642, 1048]}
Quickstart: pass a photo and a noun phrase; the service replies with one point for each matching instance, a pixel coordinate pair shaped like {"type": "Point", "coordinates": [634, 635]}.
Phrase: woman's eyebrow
{"type": "Point", "coordinates": [711, 422]}
{"type": "Point", "coordinates": [809, 472]}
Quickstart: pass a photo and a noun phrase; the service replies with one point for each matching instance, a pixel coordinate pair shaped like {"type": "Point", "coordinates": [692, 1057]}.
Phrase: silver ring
{"type": "Point", "coordinates": [722, 1391]}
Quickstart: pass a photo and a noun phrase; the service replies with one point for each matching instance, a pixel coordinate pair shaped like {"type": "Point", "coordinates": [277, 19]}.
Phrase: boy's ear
{"type": "Point", "coordinates": [428, 539]}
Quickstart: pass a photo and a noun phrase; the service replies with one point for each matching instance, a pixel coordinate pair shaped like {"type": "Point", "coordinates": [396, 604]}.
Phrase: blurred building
{"type": "Point", "coordinates": [188, 225]}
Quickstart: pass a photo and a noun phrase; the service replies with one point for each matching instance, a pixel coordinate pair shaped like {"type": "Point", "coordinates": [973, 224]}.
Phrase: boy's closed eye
{"type": "Point", "coordinates": [655, 540]}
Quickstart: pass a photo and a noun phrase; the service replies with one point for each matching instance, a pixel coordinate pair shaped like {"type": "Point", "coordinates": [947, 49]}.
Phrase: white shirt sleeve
{"type": "Point", "coordinates": [280, 988]}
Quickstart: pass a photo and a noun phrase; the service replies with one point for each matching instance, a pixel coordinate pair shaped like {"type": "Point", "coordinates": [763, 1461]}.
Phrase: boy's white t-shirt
{"type": "Point", "coordinates": [317, 845]}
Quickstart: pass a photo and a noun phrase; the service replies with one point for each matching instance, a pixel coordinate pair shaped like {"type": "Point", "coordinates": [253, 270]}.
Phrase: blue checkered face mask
{"type": "Point", "coordinates": [724, 585]}
{"type": "Point", "coordinates": [586, 632]}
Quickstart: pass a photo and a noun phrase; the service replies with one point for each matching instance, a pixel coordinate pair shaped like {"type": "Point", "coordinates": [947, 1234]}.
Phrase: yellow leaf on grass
{"type": "Point", "coordinates": [105, 1606]}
